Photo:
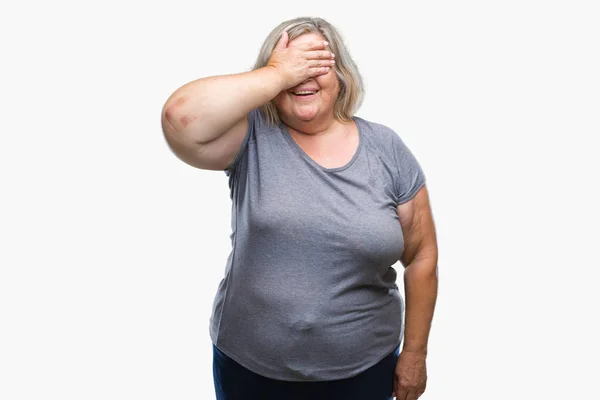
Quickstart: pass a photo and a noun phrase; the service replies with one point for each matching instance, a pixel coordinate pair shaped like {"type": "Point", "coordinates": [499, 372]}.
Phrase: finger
{"type": "Point", "coordinates": [283, 41]}
{"type": "Point", "coordinates": [315, 45]}
{"type": "Point", "coordinates": [411, 395]}
{"type": "Point", "coordinates": [321, 63]}
{"type": "Point", "coordinates": [401, 393]}
{"type": "Point", "coordinates": [319, 55]}
{"type": "Point", "coordinates": [319, 71]}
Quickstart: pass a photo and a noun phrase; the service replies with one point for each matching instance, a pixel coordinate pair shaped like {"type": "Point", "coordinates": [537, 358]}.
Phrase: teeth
{"type": "Point", "coordinates": [306, 92]}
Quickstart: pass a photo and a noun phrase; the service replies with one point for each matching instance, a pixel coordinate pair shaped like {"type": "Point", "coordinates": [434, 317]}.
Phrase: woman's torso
{"type": "Point", "coordinates": [309, 292]}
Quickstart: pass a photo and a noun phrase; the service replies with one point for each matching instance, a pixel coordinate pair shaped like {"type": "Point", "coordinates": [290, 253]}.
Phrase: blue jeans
{"type": "Point", "coordinates": [234, 382]}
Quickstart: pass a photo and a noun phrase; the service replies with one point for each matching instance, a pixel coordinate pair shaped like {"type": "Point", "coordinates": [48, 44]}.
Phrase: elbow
{"type": "Point", "coordinates": [172, 131]}
{"type": "Point", "coordinates": [424, 271]}
{"type": "Point", "coordinates": [171, 114]}
{"type": "Point", "coordinates": [176, 113]}
{"type": "Point", "coordinates": [179, 139]}
{"type": "Point", "coordinates": [167, 118]}
{"type": "Point", "coordinates": [425, 257]}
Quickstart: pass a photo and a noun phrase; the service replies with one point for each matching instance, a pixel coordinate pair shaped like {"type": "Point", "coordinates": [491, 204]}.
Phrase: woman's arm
{"type": "Point", "coordinates": [205, 108]}
{"type": "Point", "coordinates": [205, 121]}
{"type": "Point", "coordinates": [420, 259]}
{"type": "Point", "coordinates": [213, 108]}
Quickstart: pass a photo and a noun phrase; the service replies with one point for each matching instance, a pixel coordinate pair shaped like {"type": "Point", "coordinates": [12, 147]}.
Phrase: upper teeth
{"type": "Point", "coordinates": [306, 92]}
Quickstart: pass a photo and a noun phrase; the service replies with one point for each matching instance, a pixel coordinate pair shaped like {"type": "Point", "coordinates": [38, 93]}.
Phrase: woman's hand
{"type": "Point", "coordinates": [296, 64]}
{"type": "Point", "coordinates": [411, 375]}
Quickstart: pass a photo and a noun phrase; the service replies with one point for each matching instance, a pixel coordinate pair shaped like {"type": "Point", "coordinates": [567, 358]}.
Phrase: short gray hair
{"type": "Point", "coordinates": [352, 88]}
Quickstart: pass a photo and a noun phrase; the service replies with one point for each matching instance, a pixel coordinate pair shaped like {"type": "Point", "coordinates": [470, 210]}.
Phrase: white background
{"type": "Point", "coordinates": [112, 248]}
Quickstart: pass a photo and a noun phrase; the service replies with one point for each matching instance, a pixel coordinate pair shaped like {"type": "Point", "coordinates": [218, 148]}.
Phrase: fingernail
{"type": "Point", "coordinates": [332, 55]}
{"type": "Point", "coordinates": [325, 43]}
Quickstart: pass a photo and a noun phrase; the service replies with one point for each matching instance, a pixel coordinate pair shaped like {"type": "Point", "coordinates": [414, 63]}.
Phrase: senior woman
{"type": "Point", "coordinates": [323, 204]}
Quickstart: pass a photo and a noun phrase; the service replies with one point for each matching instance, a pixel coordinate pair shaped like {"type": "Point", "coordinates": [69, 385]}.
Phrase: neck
{"type": "Point", "coordinates": [313, 127]}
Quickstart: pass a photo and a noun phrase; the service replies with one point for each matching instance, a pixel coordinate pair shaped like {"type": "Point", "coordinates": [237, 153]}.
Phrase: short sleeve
{"type": "Point", "coordinates": [410, 176]}
{"type": "Point", "coordinates": [254, 120]}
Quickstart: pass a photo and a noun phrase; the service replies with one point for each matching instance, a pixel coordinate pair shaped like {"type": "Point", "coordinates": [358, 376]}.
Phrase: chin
{"type": "Point", "coordinates": [305, 114]}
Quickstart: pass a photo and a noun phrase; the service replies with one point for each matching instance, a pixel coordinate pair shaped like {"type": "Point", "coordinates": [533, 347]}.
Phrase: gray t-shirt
{"type": "Point", "coordinates": [309, 293]}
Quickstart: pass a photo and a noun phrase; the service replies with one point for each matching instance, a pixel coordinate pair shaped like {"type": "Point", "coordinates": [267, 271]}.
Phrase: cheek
{"type": "Point", "coordinates": [279, 100]}
{"type": "Point", "coordinates": [330, 78]}
{"type": "Point", "coordinates": [329, 83]}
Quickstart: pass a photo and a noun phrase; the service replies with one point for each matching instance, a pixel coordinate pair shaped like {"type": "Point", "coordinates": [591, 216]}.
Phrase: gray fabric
{"type": "Point", "coordinates": [309, 293]}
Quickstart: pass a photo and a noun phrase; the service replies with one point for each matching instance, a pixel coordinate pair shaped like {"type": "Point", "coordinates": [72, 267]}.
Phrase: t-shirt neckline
{"type": "Point", "coordinates": [288, 136]}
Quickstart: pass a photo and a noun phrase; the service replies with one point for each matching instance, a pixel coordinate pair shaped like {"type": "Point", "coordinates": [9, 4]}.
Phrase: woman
{"type": "Point", "coordinates": [324, 202]}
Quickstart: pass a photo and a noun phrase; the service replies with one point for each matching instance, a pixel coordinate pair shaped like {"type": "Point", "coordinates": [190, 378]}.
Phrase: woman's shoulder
{"type": "Point", "coordinates": [259, 123]}
{"type": "Point", "coordinates": [378, 134]}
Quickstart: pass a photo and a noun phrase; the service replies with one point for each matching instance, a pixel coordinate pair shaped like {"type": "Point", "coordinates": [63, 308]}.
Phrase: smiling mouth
{"type": "Point", "coordinates": [304, 93]}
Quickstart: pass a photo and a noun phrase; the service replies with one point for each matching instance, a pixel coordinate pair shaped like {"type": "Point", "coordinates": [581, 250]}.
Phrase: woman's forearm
{"type": "Point", "coordinates": [420, 286]}
{"type": "Point", "coordinates": [204, 109]}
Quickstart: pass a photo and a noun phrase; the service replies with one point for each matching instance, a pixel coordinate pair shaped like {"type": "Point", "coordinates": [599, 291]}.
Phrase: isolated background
{"type": "Point", "coordinates": [112, 248]}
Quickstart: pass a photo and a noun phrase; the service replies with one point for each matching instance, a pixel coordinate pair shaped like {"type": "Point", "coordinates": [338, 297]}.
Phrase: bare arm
{"type": "Point", "coordinates": [210, 108]}
{"type": "Point", "coordinates": [205, 121]}
{"type": "Point", "coordinates": [420, 259]}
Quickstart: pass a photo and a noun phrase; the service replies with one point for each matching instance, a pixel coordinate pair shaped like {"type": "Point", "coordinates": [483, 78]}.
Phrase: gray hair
{"type": "Point", "coordinates": [352, 89]}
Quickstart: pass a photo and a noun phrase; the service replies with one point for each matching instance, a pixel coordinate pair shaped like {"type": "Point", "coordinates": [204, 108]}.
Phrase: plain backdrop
{"type": "Point", "coordinates": [112, 248]}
